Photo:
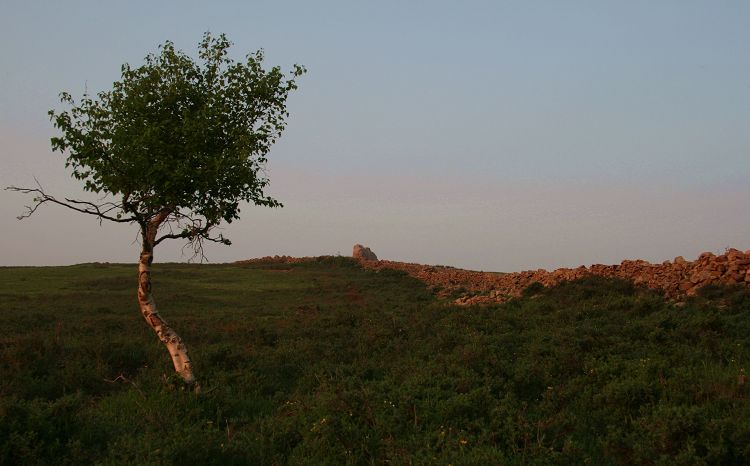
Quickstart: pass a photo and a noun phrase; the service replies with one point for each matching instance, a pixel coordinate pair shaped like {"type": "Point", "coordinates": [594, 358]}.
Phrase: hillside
{"type": "Point", "coordinates": [323, 361]}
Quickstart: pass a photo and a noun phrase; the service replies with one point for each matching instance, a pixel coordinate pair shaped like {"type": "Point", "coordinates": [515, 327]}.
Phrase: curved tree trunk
{"type": "Point", "coordinates": [176, 347]}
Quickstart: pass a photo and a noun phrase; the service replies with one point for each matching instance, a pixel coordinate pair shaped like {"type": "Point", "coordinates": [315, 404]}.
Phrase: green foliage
{"type": "Point", "coordinates": [176, 134]}
{"type": "Point", "coordinates": [325, 363]}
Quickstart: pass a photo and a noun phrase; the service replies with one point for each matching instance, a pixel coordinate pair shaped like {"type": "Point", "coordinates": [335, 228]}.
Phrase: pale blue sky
{"type": "Point", "coordinates": [489, 135]}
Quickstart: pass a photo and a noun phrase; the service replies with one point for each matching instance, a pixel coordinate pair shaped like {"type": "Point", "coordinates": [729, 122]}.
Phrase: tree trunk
{"type": "Point", "coordinates": [166, 334]}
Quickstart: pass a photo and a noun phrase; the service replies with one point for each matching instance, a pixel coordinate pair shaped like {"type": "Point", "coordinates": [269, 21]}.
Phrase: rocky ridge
{"type": "Point", "coordinates": [674, 278]}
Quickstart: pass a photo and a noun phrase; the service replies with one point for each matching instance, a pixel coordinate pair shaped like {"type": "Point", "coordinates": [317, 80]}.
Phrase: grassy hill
{"type": "Point", "coordinates": [323, 362]}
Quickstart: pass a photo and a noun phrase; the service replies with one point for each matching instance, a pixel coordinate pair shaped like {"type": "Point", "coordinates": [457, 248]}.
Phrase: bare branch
{"type": "Point", "coordinates": [197, 242]}
{"type": "Point", "coordinates": [195, 229]}
{"type": "Point", "coordinates": [197, 245]}
{"type": "Point", "coordinates": [101, 211]}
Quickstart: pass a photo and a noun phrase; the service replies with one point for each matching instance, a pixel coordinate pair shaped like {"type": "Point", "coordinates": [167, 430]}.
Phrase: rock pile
{"type": "Point", "coordinates": [674, 278]}
{"type": "Point", "coordinates": [363, 253]}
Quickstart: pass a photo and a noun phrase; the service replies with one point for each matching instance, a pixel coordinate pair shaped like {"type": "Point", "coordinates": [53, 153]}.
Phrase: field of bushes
{"type": "Point", "coordinates": [322, 362]}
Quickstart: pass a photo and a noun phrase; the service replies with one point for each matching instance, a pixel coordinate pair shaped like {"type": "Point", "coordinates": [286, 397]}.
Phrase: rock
{"type": "Point", "coordinates": [700, 276]}
{"type": "Point", "coordinates": [706, 256]}
{"type": "Point", "coordinates": [685, 285]}
{"type": "Point", "coordinates": [363, 253]}
{"type": "Point", "coordinates": [733, 253]}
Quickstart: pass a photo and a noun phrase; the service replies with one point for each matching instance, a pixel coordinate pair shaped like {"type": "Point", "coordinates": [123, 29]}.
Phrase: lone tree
{"type": "Point", "coordinates": [174, 148]}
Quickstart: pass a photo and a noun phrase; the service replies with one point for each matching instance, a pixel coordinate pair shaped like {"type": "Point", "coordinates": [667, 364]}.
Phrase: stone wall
{"type": "Point", "coordinates": [674, 278]}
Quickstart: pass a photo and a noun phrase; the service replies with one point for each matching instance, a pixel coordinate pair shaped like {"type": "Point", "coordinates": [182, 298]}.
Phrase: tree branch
{"type": "Point", "coordinates": [193, 229]}
{"type": "Point", "coordinates": [101, 211]}
{"type": "Point", "coordinates": [196, 243]}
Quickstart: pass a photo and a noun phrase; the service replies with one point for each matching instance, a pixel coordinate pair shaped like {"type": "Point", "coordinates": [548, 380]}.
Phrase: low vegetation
{"type": "Point", "coordinates": [323, 362]}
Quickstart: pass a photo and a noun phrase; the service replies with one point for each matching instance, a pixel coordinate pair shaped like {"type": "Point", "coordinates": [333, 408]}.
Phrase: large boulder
{"type": "Point", "coordinates": [363, 253]}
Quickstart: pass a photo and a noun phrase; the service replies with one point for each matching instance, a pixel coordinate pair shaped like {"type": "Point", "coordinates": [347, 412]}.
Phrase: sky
{"type": "Point", "coordinates": [490, 135]}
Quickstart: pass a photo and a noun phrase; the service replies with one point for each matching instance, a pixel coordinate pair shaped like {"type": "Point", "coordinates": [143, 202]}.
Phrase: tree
{"type": "Point", "coordinates": [174, 148]}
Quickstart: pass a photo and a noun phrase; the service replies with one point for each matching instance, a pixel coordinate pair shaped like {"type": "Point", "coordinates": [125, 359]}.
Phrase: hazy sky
{"type": "Point", "coordinates": [487, 135]}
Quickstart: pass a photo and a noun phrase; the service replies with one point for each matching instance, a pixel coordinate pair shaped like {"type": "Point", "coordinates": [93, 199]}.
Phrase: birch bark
{"type": "Point", "coordinates": [176, 347]}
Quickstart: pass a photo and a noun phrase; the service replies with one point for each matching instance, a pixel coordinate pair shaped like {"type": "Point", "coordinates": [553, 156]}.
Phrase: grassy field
{"type": "Point", "coordinates": [325, 363]}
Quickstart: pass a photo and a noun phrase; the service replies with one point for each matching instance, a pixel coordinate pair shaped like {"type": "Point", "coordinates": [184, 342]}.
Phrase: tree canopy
{"type": "Point", "coordinates": [175, 147]}
{"type": "Point", "coordinates": [178, 138]}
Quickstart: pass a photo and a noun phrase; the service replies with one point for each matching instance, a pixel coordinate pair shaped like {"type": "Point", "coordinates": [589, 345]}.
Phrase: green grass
{"type": "Point", "coordinates": [325, 363]}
